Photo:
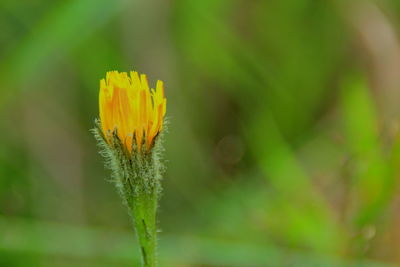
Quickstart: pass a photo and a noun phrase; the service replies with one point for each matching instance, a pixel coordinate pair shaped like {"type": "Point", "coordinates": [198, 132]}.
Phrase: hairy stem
{"type": "Point", "coordinates": [144, 208]}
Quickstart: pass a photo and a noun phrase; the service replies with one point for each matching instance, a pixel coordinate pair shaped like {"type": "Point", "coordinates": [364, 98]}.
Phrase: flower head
{"type": "Point", "coordinates": [129, 107]}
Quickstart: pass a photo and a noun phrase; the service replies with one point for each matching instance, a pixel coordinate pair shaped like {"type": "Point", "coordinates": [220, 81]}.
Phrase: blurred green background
{"type": "Point", "coordinates": [283, 147]}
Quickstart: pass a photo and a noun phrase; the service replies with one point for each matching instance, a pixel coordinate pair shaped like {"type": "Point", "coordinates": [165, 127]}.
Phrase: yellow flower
{"type": "Point", "coordinates": [128, 106]}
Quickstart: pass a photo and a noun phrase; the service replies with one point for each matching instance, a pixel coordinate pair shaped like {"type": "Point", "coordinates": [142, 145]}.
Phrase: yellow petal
{"type": "Point", "coordinates": [128, 105]}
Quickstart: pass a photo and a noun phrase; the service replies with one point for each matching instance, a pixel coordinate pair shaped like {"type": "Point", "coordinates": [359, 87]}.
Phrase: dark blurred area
{"type": "Point", "coordinates": [284, 137]}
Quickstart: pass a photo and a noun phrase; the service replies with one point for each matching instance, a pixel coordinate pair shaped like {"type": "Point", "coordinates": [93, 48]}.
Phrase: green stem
{"type": "Point", "coordinates": [144, 208]}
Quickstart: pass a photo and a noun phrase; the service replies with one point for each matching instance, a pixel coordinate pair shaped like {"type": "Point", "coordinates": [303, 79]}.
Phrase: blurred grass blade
{"type": "Point", "coordinates": [301, 213]}
{"type": "Point", "coordinates": [59, 32]}
{"type": "Point", "coordinates": [372, 183]}
{"type": "Point", "coordinates": [101, 245]}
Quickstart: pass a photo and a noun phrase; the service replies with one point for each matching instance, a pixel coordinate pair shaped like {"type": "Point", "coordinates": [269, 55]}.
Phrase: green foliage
{"type": "Point", "coordinates": [281, 151]}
